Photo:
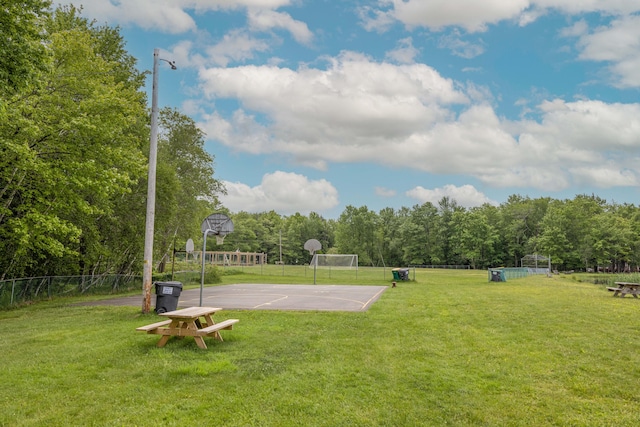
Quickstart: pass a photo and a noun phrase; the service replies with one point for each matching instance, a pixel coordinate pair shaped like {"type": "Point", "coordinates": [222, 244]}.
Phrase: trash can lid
{"type": "Point", "coordinates": [176, 284]}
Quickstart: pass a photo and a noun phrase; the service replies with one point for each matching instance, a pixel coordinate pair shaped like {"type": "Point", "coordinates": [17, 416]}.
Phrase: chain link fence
{"type": "Point", "coordinates": [19, 291]}
{"type": "Point", "coordinates": [25, 290]}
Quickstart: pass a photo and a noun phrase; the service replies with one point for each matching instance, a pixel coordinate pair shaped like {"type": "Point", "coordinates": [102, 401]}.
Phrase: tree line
{"type": "Point", "coordinates": [74, 144]}
{"type": "Point", "coordinates": [74, 141]}
{"type": "Point", "coordinates": [582, 233]}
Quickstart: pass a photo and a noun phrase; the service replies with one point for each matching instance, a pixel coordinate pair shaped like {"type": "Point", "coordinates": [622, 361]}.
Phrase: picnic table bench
{"type": "Point", "coordinates": [196, 322]}
{"type": "Point", "coordinates": [624, 288]}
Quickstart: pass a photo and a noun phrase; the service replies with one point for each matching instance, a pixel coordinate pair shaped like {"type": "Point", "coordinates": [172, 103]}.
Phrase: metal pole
{"type": "Point", "coordinates": [151, 192]}
{"type": "Point", "coordinates": [204, 248]}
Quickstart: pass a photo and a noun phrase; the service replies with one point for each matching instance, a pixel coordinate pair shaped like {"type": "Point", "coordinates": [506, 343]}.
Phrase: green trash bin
{"type": "Point", "coordinates": [396, 274]}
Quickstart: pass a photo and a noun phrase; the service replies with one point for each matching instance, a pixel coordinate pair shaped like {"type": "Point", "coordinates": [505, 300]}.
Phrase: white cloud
{"type": "Point", "coordinates": [404, 53]}
{"type": "Point", "coordinates": [590, 125]}
{"type": "Point", "coordinates": [613, 7]}
{"type": "Point", "coordinates": [618, 44]}
{"type": "Point", "coordinates": [466, 195]}
{"type": "Point", "coordinates": [284, 192]}
{"type": "Point", "coordinates": [472, 15]}
{"type": "Point", "coordinates": [375, 20]}
{"type": "Point", "coordinates": [606, 176]}
{"type": "Point", "coordinates": [357, 110]}
{"type": "Point", "coordinates": [236, 46]}
{"type": "Point", "coordinates": [349, 111]}
{"type": "Point", "coordinates": [169, 16]}
{"type": "Point", "coordinates": [577, 29]}
{"type": "Point", "coordinates": [460, 47]}
{"type": "Point", "coordinates": [385, 192]}
{"type": "Point", "coordinates": [264, 20]}
{"type": "Point", "coordinates": [173, 16]}
{"type": "Point", "coordinates": [476, 16]}
{"type": "Point", "coordinates": [163, 16]}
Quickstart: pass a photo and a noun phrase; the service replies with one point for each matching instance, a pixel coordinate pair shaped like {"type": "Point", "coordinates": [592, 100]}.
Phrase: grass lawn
{"type": "Point", "coordinates": [447, 349]}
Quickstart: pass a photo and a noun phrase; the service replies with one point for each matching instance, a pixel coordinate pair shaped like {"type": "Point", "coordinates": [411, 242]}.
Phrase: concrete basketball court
{"type": "Point", "coordinates": [272, 297]}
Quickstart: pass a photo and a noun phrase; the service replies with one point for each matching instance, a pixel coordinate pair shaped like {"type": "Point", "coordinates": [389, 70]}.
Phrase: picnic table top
{"type": "Point", "coordinates": [190, 313]}
{"type": "Point", "coordinates": [627, 283]}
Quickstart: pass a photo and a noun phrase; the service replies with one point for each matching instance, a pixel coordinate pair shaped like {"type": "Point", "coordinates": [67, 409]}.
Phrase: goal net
{"type": "Point", "coordinates": [335, 261]}
{"type": "Point", "coordinates": [536, 264]}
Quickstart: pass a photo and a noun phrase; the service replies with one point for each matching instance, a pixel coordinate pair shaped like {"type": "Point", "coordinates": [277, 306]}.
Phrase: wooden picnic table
{"type": "Point", "coordinates": [196, 322]}
{"type": "Point", "coordinates": [624, 288]}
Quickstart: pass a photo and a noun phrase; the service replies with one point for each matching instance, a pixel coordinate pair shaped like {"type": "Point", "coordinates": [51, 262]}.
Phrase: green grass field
{"type": "Point", "coordinates": [447, 349]}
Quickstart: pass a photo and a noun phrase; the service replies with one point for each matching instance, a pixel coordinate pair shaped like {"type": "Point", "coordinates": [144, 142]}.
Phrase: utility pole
{"type": "Point", "coordinates": [147, 272]}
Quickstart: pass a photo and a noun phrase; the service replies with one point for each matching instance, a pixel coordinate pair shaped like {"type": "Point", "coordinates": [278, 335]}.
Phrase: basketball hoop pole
{"type": "Point", "coordinates": [218, 224]}
{"type": "Point", "coordinates": [204, 249]}
{"type": "Point", "coordinates": [312, 245]}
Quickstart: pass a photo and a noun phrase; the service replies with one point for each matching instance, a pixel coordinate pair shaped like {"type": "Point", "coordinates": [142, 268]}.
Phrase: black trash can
{"type": "Point", "coordinates": [496, 275]}
{"type": "Point", "coordinates": [167, 295]}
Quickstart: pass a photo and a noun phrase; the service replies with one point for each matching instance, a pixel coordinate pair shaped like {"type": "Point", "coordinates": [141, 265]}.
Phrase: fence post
{"type": "Point", "coordinates": [13, 287]}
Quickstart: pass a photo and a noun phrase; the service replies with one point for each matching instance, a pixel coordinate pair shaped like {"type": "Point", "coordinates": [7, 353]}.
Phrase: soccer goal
{"type": "Point", "coordinates": [335, 261]}
{"type": "Point", "coordinates": [536, 264]}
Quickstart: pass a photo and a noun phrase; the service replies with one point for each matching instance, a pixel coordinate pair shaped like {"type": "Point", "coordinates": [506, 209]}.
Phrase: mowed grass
{"type": "Point", "coordinates": [447, 349]}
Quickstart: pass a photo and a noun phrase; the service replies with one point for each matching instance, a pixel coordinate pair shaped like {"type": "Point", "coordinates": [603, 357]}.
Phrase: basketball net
{"type": "Point", "coordinates": [219, 239]}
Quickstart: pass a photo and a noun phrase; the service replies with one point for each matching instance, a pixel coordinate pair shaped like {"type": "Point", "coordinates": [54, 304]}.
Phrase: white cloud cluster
{"type": "Point", "coordinates": [265, 20]}
{"type": "Point", "coordinates": [407, 116]}
{"type": "Point", "coordinates": [286, 193]}
{"type": "Point", "coordinates": [165, 16]}
{"type": "Point", "coordinates": [401, 113]}
{"type": "Point", "coordinates": [476, 16]}
{"type": "Point", "coordinates": [617, 43]}
{"type": "Point", "coordinates": [356, 109]}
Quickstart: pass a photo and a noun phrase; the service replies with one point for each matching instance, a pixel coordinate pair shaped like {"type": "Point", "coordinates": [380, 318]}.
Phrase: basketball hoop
{"type": "Point", "coordinates": [219, 225]}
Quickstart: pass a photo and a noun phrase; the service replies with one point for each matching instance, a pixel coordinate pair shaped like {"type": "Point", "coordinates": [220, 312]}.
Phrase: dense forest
{"type": "Point", "coordinates": [74, 141]}
{"type": "Point", "coordinates": [579, 234]}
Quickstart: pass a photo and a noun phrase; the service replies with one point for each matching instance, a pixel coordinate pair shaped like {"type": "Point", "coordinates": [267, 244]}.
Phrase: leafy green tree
{"type": "Point", "coordinates": [186, 190]}
{"type": "Point", "coordinates": [419, 232]}
{"type": "Point", "coordinates": [270, 235]}
{"type": "Point", "coordinates": [22, 45]}
{"type": "Point", "coordinates": [474, 237]}
{"type": "Point", "coordinates": [244, 238]}
{"type": "Point", "coordinates": [356, 234]}
{"type": "Point", "coordinates": [70, 150]}
{"type": "Point", "coordinates": [294, 236]}
{"type": "Point", "coordinates": [520, 222]}
{"type": "Point", "coordinates": [445, 230]}
{"type": "Point", "coordinates": [632, 214]}
{"type": "Point", "coordinates": [580, 212]}
{"type": "Point", "coordinates": [553, 240]}
{"type": "Point", "coordinates": [388, 236]}
{"type": "Point", "coordinates": [612, 240]}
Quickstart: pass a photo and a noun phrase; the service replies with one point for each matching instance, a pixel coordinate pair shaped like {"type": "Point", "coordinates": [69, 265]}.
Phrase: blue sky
{"type": "Point", "coordinates": [316, 105]}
